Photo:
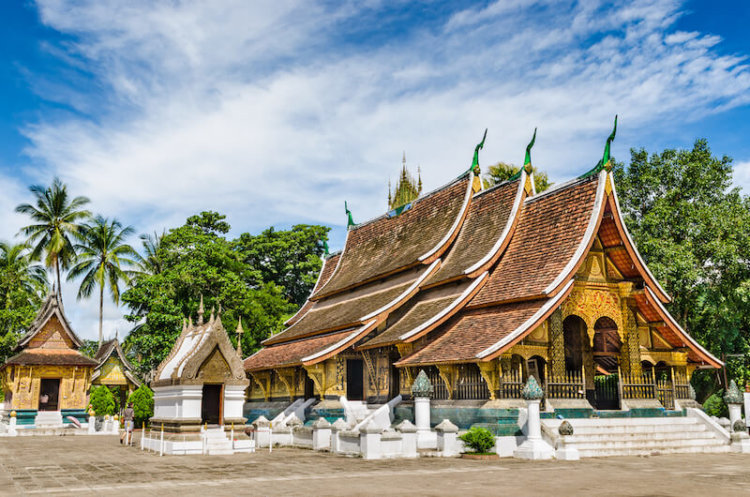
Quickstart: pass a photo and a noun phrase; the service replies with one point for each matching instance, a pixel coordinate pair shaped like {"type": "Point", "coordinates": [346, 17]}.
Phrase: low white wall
{"type": "Point", "coordinates": [179, 402]}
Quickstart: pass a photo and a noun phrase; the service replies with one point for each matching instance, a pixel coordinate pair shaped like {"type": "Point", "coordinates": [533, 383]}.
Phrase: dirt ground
{"type": "Point", "coordinates": [80, 465]}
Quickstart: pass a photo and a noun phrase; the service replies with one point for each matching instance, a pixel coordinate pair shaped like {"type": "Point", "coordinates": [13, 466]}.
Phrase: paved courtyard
{"type": "Point", "coordinates": [100, 466]}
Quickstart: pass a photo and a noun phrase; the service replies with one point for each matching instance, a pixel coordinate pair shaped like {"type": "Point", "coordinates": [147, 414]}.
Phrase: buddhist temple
{"type": "Point", "coordinates": [482, 288]}
{"type": "Point", "coordinates": [48, 379]}
{"type": "Point", "coordinates": [201, 381]}
{"type": "Point", "coordinates": [114, 370]}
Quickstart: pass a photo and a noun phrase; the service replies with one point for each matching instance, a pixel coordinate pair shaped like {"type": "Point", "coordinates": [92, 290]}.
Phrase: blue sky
{"type": "Point", "coordinates": [275, 112]}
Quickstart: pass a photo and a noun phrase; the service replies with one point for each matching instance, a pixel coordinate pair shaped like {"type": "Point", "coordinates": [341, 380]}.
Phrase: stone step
{"type": "Point", "coordinates": [629, 421]}
{"type": "Point", "coordinates": [655, 444]}
{"type": "Point", "coordinates": [642, 430]}
{"type": "Point", "coordinates": [651, 452]}
{"type": "Point", "coordinates": [667, 435]}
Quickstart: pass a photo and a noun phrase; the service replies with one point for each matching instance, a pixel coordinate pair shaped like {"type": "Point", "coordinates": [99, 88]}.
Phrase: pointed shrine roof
{"type": "Point", "coordinates": [112, 348]}
{"type": "Point", "coordinates": [52, 307]}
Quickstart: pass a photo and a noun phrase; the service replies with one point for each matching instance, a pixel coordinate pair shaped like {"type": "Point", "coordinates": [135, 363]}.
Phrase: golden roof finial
{"type": "Point", "coordinates": [200, 311]}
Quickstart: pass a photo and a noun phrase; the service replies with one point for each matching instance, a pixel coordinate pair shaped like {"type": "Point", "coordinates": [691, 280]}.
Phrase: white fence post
{"type": "Point", "coordinates": [321, 436]}
{"type": "Point", "coordinates": [369, 440]}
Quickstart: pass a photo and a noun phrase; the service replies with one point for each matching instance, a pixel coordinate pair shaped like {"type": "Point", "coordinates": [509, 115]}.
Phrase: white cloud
{"type": "Point", "coordinates": [742, 175]}
{"type": "Point", "coordinates": [264, 111]}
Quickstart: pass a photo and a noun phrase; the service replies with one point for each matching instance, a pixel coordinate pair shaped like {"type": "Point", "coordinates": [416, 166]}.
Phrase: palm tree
{"type": "Point", "coordinates": [56, 218]}
{"type": "Point", "coordinates": [102, 253]}
{"type": "Point", "coordinates": [150, 262]}
{"type": "Point", "coordinates": [18, 272]}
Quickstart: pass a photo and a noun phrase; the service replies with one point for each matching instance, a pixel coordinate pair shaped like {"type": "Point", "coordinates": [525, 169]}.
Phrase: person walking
{"type": "Point", "coordinates": [128, 416]}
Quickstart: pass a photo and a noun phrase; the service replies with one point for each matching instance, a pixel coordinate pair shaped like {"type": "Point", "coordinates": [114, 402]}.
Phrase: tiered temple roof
{"type": "Point", "coordinates": [50, 339]}
{"type": "Point", "coordinates": [112, 349]}
{"type": "Point", "coordinates": [465, 275]}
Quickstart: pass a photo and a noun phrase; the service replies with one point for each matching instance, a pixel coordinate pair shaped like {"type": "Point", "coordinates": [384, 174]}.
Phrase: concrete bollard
{"type": "Point", "coordinates": [408, 438]}
{"type": "Point", "coordinates": [321, 436]}
{"type": "Point", "coordinates": [369, 441]}
{"type": "Point", "coordinates": [447, 436]}
{"type": "Point", "coordinates": [337, 427]}
{"type": "Point", "coordinates": [92, 424]}
{"type": "Point", "coordinates": [262, 432]}
{"type": "Point", "coordinates": [12, 430]}
{"type": "Point", "coordinates": [534, 447]}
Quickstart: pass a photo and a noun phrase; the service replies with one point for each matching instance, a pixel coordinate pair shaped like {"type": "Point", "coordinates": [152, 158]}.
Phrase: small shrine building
{"type": "Point", "coordinates": [482, 288]}
{"type": "Point", "coordinates": [114, 370]}
{"type": "Point", "coordinates": [201, 381]}
{"type": "Point", "coordinates": [48, 374]}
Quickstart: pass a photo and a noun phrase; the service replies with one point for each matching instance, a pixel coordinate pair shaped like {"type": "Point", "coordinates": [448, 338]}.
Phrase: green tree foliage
{"type": "Point", "coordinates": [198, 260]}
{"type": "Point", "coordinates": [479, 440]}
{"type": "Point", "coordinates": [102, 401]}
{"type": "Point", "coordinates": [103, 256]}
{"type": "Point", "coordinates": [693, 229]}
{"type": "Point", "coordinates": [55, 218]}
{"type": "Point", "coordinates": [290, 259]}
{"type": "Point", "coordinates": [715, 405]}
{"type": "Point", "coordinates": [22, 287]}
{"type": "Point", "coordinates": [143, 404]}
{"type": "Point", "coordinates": [502, 171]}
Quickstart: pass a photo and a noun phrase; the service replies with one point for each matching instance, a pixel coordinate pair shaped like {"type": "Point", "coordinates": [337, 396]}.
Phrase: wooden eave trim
{"type": "Point", "coordinates": [315, 295]}
{"type": "Point", "coordinates": [675, 327]}
{"type": "Point", "coordinates": [503, 241]}
{"type": "Point", "coordinates": [526, 298]}
{"type": "Point", "coordinates": [527, 327]}
{"type": "Point", "coordinates": [630, 246]}
{"type": "Point", "coordinates": [346, 342]}
{"type": "Point", "coordinates": [448, 239]}
{"type": "Point", "coordinates": [579, 256]}
{"type": "Point", "coordinates": [382, 312]}
{"type": "Point", "coordinates": [452, 309]}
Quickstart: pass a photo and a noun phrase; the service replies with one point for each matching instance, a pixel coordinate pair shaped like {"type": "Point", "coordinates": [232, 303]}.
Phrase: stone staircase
{"type": "Point", "coordinates": [639, 436]}
{"type": "Point", "coordinates": [360, 409]}
{"type": "Point", "coordinates": [48, 419]}
{"type": "Point", "coordinates": [217, 441]}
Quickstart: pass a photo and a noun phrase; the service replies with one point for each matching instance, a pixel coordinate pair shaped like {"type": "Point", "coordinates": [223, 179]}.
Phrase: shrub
{"type": "Point", "coordinates": [102, 401]}
{"type": "Point", "coordinates": [143, 404]}
{"type": "Point", "coordinates": [715, 406]}
{"type": "Point", "coordinates": [479, 439]}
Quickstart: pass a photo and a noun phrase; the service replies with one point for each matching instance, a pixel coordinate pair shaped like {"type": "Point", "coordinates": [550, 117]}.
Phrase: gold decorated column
{"type": "Point", "coordinates": [557, 344]}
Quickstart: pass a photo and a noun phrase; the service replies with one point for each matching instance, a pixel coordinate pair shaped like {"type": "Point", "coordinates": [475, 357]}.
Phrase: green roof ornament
{"type": "Point", "coordinates": [606, 162]}
{"type": "Point", "coordinates": [350, 221]}
{"type": "Point", "coordinates": [733, 395]}
{"type": "Point", "coordinates": [527, 159]}
{"type": "Point", "coordinates": [326, 250]}
{"type": "Point", "coordinates": [480, 146]}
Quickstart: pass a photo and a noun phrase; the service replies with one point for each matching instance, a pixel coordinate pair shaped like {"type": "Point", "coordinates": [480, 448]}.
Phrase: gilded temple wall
{"type": "Point", "coordinates": [24, 383]}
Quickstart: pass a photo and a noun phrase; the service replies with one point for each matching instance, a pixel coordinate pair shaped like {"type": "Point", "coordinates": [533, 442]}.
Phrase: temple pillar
{"type": "Point", "coordinates": [630, 353]}
{"type": "Point", "coordinates": [489, 372]}
{"type": "Point", "coordinates": [557, 345]}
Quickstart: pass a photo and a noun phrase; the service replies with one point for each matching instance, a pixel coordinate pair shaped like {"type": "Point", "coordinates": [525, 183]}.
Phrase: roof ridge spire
{"type": "Point", "coordinates": [200, 311]}
{"type": "Point", "coordinates": [239, 332]}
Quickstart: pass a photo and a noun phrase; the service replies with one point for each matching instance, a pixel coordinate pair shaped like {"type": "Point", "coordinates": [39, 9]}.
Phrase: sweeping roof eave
{"type": "Point", "coordinates": [327, 269]}
{"type": "Point", "coordinates": [705, 355]}
{"type": "Point", "coordinates": [389, 245]}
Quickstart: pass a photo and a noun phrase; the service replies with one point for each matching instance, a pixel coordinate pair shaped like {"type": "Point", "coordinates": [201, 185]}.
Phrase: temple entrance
{"type": "Point", "coordinates": [309, 388]}
{"type": "Point", "coordinates": [394, 385]}
{"type": "Point", "coordinates": [49, 391]}
{"type": "Point", "coordinates": [355, 380]}
{"type": "Point", "coordinates": [606, 351]}
{"type": "Point", "coordinates": [211, 404]}
{"type": "Point", "coordinates": [574, 329]}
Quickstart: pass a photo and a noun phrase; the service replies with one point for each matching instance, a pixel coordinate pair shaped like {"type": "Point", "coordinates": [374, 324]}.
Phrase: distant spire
{"type": "Point", "coordinates": [117, 334]}
{"type": "Point", "coordinates": [200, 312]}
{"type": "Point", "coordinates": [240, 331]}
{"type": "Point", "coordinates": [419, 179]}
{"type": "Point", "coordinates": [407, 188]}
{"type": "Point", "coordinates": [390, 196]}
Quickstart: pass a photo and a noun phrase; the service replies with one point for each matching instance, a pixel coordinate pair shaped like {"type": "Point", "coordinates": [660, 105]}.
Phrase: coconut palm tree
{"type": "Point", "coordinates": [150, 262]}
{"type": "Point", "coordinates": [103, 255]}
{"type": "Point", "coordinates": [56, 218]}
{"type": "Point", "coordinates": [18, 272]}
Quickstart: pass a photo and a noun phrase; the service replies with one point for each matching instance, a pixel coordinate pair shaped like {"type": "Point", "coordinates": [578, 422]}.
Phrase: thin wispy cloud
{"type": "Point", "coordinates": [275, 112]}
